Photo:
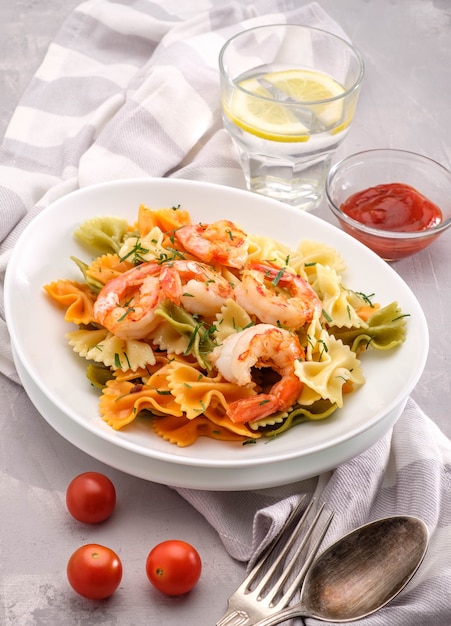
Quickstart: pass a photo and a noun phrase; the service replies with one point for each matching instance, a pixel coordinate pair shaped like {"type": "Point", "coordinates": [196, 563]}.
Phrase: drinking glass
{"type": "Point", "coordinates": [289, 94]}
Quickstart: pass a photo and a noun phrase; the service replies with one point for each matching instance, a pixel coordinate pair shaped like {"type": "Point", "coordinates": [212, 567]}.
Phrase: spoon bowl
{"type": "Point", "coordinates": [361, 572]}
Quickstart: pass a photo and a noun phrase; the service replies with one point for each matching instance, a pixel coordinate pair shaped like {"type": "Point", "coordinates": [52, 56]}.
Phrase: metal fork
{"type": "Point", "coordinates": [263, 593]}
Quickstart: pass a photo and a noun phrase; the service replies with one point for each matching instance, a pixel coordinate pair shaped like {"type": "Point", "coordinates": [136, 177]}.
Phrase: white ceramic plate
{"type": "Point", "coordinates": [37, 329]}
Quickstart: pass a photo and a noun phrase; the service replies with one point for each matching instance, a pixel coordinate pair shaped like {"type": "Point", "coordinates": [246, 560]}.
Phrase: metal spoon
{"type": "Point", "coordinates": [361, 572]}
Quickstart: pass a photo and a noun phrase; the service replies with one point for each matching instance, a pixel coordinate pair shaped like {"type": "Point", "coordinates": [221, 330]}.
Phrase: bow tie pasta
{"type": "Point", "coordinates": [204, 330]}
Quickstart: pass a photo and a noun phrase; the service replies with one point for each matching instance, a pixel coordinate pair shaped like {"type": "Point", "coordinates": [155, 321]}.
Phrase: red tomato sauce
{"type": "Point", "coordinates": [393, 206]}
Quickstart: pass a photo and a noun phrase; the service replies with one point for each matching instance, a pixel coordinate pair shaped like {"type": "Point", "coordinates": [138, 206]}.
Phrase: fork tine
{"type": "Point", "coordinates": [283, 553]}
{"type": "Point", "coordinates": [278, 584]}
{"type": "Point", "coordinates": [313, 549]}
{"type": "Point", "coordinates": [263, 558]}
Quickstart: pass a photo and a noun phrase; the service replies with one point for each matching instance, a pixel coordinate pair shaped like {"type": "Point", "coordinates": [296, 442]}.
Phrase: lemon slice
{"type": "Point", "coordinates": [265, 105]}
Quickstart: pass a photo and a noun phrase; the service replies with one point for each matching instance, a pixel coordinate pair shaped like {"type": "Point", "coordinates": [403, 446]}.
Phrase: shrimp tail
{"type": "Point", "coordinates": [253, 408]}
{"type": "Point", "coordinates": [282, 397]}
{"type": "Point", "coordinates": [287, 391]}
{"type": "Point", "coordinates": [171, 284]}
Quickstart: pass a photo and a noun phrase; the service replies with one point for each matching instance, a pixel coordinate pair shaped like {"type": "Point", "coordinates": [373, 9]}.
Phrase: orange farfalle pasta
{"type": "Point", "coordinates": [366, 311]}
{"type": "Point", "coordinates": [216, 413]}
{"type": "Point", "coordinates": [166, 220]}
{"type": "Point", "coordinates": [106, 267]}
{"type": "Point", "coordinates": [77, 299]}
{"type": "Point", "coordinates": [141, 373]}
{"type": "Point", "coordinates": [195, 392]}
{"type": "Point", "coordinates": [122, 400]}
{"type": "Point", "coordinates": [184, 432]}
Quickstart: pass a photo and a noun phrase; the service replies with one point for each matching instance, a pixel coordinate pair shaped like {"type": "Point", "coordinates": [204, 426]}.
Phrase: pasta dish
{"type": "Point", "coordinates": [207, 330]}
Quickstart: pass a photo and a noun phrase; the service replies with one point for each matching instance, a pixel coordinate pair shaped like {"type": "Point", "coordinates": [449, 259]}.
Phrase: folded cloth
{"type": "Point", "coordinates": [130, 90]}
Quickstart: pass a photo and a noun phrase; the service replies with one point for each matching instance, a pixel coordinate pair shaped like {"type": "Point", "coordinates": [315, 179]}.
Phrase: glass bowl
{"type": "Point", "coordinates": [372, 168]}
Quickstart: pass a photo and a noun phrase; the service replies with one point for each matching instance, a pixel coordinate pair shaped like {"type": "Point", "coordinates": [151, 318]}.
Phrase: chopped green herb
{"type": "Point", "coordinates": [127, 359]}
{"type": "Point", "coordinates": [324, 348]}
{"type": "Point", "coordinates": [400, 317]}
{"type": "Point", "coordinates": [275, 281]}
{"type": "Point", "coordinates": [127, 312]}
{"type": "Point", "coordinates": [137, 252]}
{"type": "Point", "coordinates": [366, 298]}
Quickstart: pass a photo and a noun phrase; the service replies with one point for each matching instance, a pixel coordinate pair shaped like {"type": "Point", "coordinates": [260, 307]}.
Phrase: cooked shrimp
{"type": "Point", "coordinates": [277, 296]}
{"type": "Point", "coordinates": [195, 286]}
{"type": "Point", "coordinates": [126, 304]}
{"type": "Point", "coordinates": [221, 242]}
{"type": "Point", "coordinates": [260, 346]}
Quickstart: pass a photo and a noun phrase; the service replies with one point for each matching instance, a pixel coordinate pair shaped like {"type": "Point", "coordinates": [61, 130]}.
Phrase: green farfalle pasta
{"type": "Point", "coordinates": [318, 411]}
{"type": "Point", "coordinates": [94, 285]}
{"type": "Point", "coordinates": [198, 336]}
{"type": "Point", "coordinates": [104, 233]}
{"type": "Point", "coordinates": [387, 329]}
{"type": "Point", "coordinates": [99, 375]}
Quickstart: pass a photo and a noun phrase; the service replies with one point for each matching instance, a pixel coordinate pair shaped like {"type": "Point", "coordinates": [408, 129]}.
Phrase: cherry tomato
{"type": "Point", "coordinates": [91, 497]}
{"type": "Point", "coordinates": [94, 571]}
{"type": "Point", "coordinates": [173, 567]}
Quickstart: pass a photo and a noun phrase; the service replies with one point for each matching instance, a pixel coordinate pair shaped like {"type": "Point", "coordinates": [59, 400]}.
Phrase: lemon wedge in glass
{"type": "Point", "coordinates": [270, 105]}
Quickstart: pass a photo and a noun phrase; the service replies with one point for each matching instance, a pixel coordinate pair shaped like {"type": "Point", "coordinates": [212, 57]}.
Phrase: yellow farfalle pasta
{"type": "Point", "coordinates": [166, 337]}
{"type": "Point", "coordinates": [338, 303]}
{"type": "Point", "coordinates": [333, 364]}
{"type": "Point", "coordinates": [148, 248]}
{"type": "Point", "coordinates": [104, 347]}
{"type": "Point", "coordinates": [315, 253]}
{"type": "Point", "coordinates": [85, 342]}
{"type": "Point", "coordinates": [232, 317]}
{"type": "Point", "coordinates": [266, 249]}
